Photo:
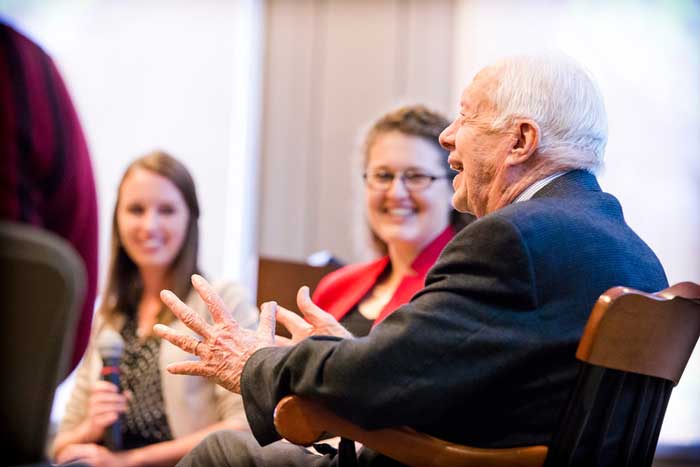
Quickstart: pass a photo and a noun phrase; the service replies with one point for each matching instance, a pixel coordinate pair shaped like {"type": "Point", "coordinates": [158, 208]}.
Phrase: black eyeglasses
{"type": "Point", "coordinates": [413, 180]}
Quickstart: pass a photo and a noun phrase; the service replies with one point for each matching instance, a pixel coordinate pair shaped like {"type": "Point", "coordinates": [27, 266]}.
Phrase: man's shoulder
{"type": "Point", "coordinates": [576, 194]}
{"type": "Point", "coordinates": [549, 219]}
{"type": "Point", "coordinates": [515, 219]}
{"type": "Point", "coordinates": [563, 213]}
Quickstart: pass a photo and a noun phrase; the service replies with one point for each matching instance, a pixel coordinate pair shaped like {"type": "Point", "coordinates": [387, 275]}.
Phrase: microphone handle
{"type": "Point", "coordinates": [113, 433]}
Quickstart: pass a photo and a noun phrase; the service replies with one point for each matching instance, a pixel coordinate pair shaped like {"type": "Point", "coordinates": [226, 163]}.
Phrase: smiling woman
{"type": "Point", "coordinates": [155, 237]}
{"type": "Point", "coordinates": [408, 212]}
{"type": "Point", "coordinates": [152, 218]}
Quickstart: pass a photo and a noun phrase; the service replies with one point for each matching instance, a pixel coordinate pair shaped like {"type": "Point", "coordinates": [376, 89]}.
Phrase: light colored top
{"type": "Point", "coordinates": [530, 191]}
{"type": "Point", "coordinates": [191, 402]}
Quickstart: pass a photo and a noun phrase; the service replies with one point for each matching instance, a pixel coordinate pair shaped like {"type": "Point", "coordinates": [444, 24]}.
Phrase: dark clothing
{"type": "Point", "coordinates": [237, 448]}
{"type": "Point", "coordinates": [485, 354]}
{"type": "Point", "coordinates": [356, 323]}
{"type": "Point", "coordinates": [230, 448]}
{"type": "Point", "coordinates": [45, 173]}
{"type": "Point", "coordinates": [145, 421]}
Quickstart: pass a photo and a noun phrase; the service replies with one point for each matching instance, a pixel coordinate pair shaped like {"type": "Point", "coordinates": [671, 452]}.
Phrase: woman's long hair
{"type": "Point", "coordinates": [124, 286]}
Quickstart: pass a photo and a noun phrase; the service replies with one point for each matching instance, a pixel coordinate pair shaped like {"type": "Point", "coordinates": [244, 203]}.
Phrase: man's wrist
{"type": "Point", "coordinates": [236, 380]}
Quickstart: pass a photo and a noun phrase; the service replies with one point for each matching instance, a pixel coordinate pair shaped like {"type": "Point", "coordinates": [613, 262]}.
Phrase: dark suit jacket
{"type": "Point", "coordinates": [485, 353]}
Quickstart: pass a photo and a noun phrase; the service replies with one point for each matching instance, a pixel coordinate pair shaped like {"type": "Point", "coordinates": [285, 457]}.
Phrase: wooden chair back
{"type": "Point", "coordinates": [280, 279]}
{"type": "Point", "coordinates": [633, 352]}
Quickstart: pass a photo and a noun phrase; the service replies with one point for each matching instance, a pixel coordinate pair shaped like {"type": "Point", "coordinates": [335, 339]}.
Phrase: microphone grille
{"type": "Point", "coordinates": [110, 344]}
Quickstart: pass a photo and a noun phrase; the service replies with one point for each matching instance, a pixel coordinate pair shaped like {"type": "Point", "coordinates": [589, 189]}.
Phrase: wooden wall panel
{"type": "Point", "coordinates": [429, 52]}
{"type": "Point", "coordinates": [359, 75]}
{"type": "Point", "coordinates": [287, 120]}
{"type": "Point", "coordinates": [331, 68]}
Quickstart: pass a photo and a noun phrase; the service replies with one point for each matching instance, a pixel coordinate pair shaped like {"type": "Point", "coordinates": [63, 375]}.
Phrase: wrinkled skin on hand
{"type": "Point", "coordinates": [315, 321]}
{"type": "Point", "coordinates": [225, 346]}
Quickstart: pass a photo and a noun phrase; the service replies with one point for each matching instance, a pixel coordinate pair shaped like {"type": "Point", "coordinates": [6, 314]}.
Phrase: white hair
{"type": "Point", "coordinates": [561, 96]}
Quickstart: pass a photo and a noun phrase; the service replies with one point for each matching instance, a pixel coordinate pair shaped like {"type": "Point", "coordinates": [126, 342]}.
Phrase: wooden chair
{"type": "Point", "coordinates": [633, 351]}
{"type": "Point", "coordinates": [42, 291]}
{"type": "Point", "coordinates": [280, 280]}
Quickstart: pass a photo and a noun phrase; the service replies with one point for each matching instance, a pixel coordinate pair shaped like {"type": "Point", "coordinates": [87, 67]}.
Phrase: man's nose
{"type": "Point", "coordinates": [447, 137]}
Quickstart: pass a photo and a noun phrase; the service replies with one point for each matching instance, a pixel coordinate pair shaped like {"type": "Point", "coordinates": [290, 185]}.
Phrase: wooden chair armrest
{"type": "Point", "coordinates": [302, 421]}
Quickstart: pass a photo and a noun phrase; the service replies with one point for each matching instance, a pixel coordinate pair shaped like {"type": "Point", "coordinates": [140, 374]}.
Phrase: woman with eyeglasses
{"type": "Point", "coordinates": [407, 198]}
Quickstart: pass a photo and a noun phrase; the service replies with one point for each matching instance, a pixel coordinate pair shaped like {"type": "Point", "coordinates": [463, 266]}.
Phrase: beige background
{"type": "Point", "coordinates": [330, 69]}
{"type": "Point", "coordinates": [264, 101]}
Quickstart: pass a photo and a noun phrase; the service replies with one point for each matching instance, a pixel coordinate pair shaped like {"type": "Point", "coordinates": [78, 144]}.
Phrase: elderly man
{"type": "Point", "coordinates": [484, 354]}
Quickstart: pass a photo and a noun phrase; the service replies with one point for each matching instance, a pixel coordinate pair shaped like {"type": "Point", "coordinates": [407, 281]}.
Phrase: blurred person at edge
{"type": "Point", "coordinates": [410, 219]}
{"type": "Point", "coordinates": [155, 238]}
{"type": "Point", "coordinates": [46, 176]}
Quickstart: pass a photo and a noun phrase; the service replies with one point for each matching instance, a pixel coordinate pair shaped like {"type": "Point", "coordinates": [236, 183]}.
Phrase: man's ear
{"type": "Point", "coordinates": [527, 139]}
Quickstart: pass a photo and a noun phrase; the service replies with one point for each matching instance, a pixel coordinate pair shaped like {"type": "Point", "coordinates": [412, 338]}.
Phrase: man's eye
{"type": "Point", "coordinates": [134, 209]}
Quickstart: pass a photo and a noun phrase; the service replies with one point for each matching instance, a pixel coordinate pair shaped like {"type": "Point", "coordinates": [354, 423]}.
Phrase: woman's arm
{"type": "Point", "coordinates": [105, 404]}
{"type": "Point", "coordinates": [164, 454]}
{"type": "Point", "coordinates": [75, 445]}
{"type": "Point", "coordinates": [67, 438]}
{"type": "Point", "coordinates": [168, 453]}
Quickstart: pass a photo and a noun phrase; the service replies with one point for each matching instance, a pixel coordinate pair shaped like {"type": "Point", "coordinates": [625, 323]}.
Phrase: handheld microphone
{"type": "Point", "coordinates": [110, 346]}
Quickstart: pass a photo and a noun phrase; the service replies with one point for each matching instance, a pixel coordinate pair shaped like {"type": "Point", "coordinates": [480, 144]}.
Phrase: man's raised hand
{"type": "Point", "coordinates": [225, 346]}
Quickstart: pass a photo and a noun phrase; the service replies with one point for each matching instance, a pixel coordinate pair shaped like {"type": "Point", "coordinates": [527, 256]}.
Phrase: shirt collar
{"type": "Point", "coordinates": [530, 191]}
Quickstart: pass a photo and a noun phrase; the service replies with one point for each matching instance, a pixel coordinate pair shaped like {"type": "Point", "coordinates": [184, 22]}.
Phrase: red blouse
{"type": "Point", "coordinates": [339, 291]}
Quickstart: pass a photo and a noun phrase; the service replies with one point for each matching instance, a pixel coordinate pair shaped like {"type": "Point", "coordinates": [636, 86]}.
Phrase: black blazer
{"type": "Point", "coordinates": [485, 354]}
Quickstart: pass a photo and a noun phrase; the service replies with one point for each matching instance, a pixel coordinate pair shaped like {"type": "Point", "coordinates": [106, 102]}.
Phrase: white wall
{"type": "Point", "coordinates": [177, 75]}
{"type": "Point", "coordinates": [332, 68]}
{"type": "Point", "coordinates": [646, 58]}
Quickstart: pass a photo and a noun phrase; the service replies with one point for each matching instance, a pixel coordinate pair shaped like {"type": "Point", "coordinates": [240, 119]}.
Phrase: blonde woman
{"type": "Point", "coordinates": [407, 197]}
{"type": "Point", "coordinates": [155, 239]}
